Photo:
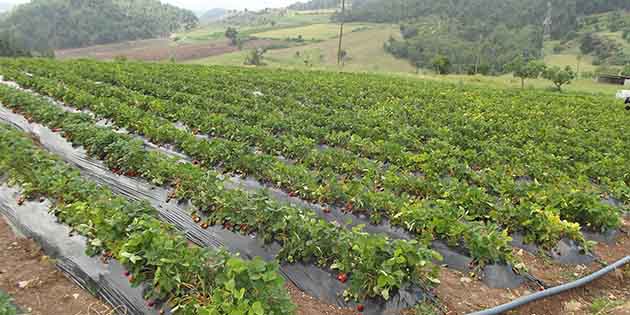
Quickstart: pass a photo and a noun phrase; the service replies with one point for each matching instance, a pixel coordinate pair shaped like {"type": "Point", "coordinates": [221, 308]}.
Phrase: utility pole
{"type": "Point", "coordinates": [547, 27]}
{"type": "Point", "coordinates": [343, 19]}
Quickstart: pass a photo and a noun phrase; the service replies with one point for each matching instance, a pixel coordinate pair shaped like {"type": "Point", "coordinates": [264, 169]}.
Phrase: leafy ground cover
{"type": "Point", "coordinates": [376, 265]}
{"type": "Point", "coordinates": [191, 279]}
{"type": "Point", "coordinates": [445, 162]}
{"type": "Point", "coordinates": [311, 32]}
{"type": "Point", "coordinates": [575, 198]}
{"type": "Point", "coordinates": [6, 307]}
{"type": "Point", "coordinates": [485, 244]}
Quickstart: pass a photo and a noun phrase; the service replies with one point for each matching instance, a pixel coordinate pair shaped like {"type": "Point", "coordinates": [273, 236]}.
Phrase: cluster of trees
{"type": "Point", "coordinates": [42, 25]}
{"type": "Point", "coordinates": [476, 36]}
{"type": "Point", "coordinates": [10, 47]}
{"type": "Point", "coordinates": [315, 5]}
{"type": "Point", "coordinates": [605, 51]}
{"type": "Point", "coordinates": [467, 51]}
{"type": "Point", "coordinates": [532, 69]}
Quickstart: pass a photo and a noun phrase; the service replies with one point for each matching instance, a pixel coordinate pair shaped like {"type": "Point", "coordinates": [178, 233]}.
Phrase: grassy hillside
{"type": "Point", "coordinates": [365, 51]}
{"type": "Point", "coordinates": [366, 54]}
{"type": "Point", "coordinates": [44, 25]}
{"type": "Point", "coordinates": [216, 30]}
{"type": "Point", "coordinates": [312, 32]}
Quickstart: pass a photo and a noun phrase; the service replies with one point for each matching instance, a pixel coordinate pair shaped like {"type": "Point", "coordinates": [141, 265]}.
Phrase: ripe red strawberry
{"type": "Point", "coordinates": [196, 219]}
{"type": "Point", "coordinates": [151, 303]}
{"type": "Point", "coordinates": [204, 225]}
{"type": "Point", "coordinates": [127, 273]}
{"type": "Point", "coordinates": [360, 307]}
{"type": "Point", "coordinates": [342, 277]}
{"type": "Point", "coordinates": [349, 207]}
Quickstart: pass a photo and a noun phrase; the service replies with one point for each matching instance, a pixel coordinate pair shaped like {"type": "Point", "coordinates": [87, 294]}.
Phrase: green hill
{"type": "Point", "coordinates": [52, 24]}
{"type": "Point", "coordinates": [479, 36]}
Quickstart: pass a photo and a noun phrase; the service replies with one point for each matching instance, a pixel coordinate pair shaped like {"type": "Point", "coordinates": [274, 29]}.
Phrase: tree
{"type": "Point", "coordinates": [255, 57]}
{"type": "Point", "coordinates": [559, 76]}
{"type": "Point", "coordinates": [44, 25]}
{"type": "Point", "coordinates": [232, 34]}
{"type": "Point", "coordinates": [344, 57]}
{"type": "Point", "coordinates": [441, 64]}
{"type": "Point", "coordinates": [526, 69]}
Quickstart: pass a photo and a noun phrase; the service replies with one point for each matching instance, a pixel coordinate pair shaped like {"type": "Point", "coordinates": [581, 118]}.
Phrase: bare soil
{"type": "Point", "coordinates": [31, 278]}
{"type": "Point", "coordinates": [462, 294]}
{"type": "Point", "coordinates": [307, 305]}
{"type": "Point", "coordinates": [158, 50]}
{"type": "Point", "coordinates": [45, 290]}
{"type": "Point", "coordinates": [35, 284]}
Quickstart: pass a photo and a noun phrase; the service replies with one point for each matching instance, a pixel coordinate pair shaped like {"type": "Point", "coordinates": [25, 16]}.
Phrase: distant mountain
{"type": "Point", "coordinates": [52, 24]}
{"type": "Point", "coordinates": [213, 15]}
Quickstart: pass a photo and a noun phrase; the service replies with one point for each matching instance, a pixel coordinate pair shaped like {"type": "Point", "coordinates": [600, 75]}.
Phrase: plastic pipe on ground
{"type": "Point", "coordinates": [553, 291]}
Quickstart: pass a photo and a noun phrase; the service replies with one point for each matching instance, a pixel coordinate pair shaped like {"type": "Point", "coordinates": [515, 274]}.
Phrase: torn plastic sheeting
{"type": "Point", "coordinates": [315, 281]}
{"type": "Point", "coordinates": [106, 281]}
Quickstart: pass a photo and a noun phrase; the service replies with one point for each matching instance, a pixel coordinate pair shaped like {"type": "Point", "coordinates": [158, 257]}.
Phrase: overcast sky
{"type": "Point", "coordinates": [200, 5]}
{"type": "Point", "coordinates": [229, 4]}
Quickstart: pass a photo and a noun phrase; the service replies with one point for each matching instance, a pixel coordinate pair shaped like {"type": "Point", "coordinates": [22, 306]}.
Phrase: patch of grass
{"type": "Point", "coordinates": [603, 304]}
{"type": "Point", "coordinates": [365, 54]}
{"type": "Point", "coordinates": [6, 308]}
{"type": "Point", "coordinates": [427, 309]}
{"type": "Point", "coordinates": [571, 60]}
{"type": "Point", "coordinates": [311, 32]}
{"type": "Point", "coordinates": [589, 86]}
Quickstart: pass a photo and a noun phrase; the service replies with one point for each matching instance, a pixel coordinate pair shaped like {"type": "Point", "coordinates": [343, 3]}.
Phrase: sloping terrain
{"type": "Point", "coordinates": [372, 185]}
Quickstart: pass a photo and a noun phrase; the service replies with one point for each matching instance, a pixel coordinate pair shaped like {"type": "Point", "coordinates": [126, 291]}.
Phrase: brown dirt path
{"type": "Point", "coordinates": [36, 285]}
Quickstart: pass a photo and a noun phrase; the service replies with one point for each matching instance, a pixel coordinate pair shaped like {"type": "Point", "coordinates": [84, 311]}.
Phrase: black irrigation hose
{"type": "Point", "coordinates": [553, 291]}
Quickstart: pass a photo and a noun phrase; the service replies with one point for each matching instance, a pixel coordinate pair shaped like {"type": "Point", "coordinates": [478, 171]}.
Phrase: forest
{"type": "Point", "coordinates": [78, 23]}
{"type": "Point", "coordinates": [474, 36]}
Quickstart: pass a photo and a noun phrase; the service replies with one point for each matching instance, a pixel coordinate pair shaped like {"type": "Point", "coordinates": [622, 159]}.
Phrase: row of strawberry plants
{"type": "Point", "coordinates": [191, 280]}
{"type": "Point", "coordinates": [429, 219]}
{"type": "Point", "coordinates": [555, 163]}
{"type": "Point", "coordinates": [377, 265]}
{"type": "Point", "coordinates": [576, 198]}
{"type": "Point", "coordinates": [541, 226]}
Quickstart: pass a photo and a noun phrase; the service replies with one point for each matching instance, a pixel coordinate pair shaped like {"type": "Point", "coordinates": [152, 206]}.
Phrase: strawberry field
{"type": "Point", "coordinates": [412, 164]}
